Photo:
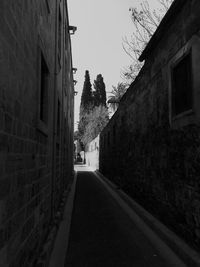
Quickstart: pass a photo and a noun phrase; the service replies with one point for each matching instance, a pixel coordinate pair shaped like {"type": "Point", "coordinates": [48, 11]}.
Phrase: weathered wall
{"type": "Point", "coordinates": [32, 160]}
{"type": "Point", "coordinates": [152, 157]}
{"type": "Point", "coordinates": [92, 153]}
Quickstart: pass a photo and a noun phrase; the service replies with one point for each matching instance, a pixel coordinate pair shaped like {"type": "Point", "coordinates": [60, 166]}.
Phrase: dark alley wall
{"type": "Point", "coordinates": [151, 146]}
{"type": "Point", "coordinates": [36, 124]}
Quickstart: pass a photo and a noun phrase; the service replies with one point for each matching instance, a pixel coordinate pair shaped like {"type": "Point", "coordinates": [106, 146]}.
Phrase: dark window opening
{"type": "Point", "coordinates": [44, 91]}
{"type": "Point", "coordinates": [182, 86]}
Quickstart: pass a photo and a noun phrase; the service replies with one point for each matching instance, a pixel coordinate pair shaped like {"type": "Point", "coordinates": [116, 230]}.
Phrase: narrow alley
{"type": "Point", "coordinates": [99, 154]}
{"type": "Point", "coordinates": [102, 233]}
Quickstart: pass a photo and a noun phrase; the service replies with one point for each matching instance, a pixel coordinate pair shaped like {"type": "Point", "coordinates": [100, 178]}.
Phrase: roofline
{"type": "Point", "coordinates": [176, 6]}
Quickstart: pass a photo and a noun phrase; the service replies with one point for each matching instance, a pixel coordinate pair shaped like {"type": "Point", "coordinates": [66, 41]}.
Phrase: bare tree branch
{"type": "Point", "coordinates": [145, 22]}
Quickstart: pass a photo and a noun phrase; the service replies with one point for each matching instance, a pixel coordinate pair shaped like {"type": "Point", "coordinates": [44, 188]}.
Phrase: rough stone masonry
{"type": "Point", "coordinates": [36, 124]}
{"type": "Point", "coordinates": [151, 146]}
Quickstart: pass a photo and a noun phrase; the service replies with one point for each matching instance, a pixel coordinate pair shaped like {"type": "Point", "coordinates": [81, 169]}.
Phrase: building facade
{"type": "Point", "coordinates": [151, 145]}
{"type": "Point", "coordinates": [36, 123]}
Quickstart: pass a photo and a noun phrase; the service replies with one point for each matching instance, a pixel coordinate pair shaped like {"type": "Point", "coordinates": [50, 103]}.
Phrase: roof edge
{"type": "Point", "coordinates": [167, 19]}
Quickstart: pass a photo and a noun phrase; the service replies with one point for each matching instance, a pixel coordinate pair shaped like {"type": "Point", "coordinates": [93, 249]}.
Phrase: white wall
{"type": "Point", "coordinates": [92, 153]}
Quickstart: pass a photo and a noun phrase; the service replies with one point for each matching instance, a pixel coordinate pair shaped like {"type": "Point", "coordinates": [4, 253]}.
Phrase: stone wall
{"type": "Point", "coordinates": [150, 154]}
{"type": "Point", "coordinates": [35, 165]}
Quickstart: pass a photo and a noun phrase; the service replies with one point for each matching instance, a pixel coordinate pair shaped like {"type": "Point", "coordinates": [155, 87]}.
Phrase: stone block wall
{"type": "Point", "coordinates": [30, 164]}
{"type": "Point", "coordinates": [153, 157]}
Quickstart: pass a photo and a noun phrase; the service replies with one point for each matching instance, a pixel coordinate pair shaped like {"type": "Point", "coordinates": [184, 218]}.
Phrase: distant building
{"type": "Point", "coordinates": [92, 153]}
{"type": "Point", "coordinates": [36, 123]}
{"type": "Point", "coordinates": [151, 145]}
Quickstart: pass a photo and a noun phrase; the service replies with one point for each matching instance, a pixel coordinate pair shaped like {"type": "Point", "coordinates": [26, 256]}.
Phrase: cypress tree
{"type": "Point", "coordinates": [86, 97]}
{"type": "Point", "coordinates": [100, 91]}
{"type": "Point", "coordinates": [86, 104]}
{"type": "Point", "coordinates": [93, 109]}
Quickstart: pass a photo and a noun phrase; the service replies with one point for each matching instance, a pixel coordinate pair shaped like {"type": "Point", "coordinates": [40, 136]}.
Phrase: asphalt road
{"type": "Point", "coordinates": [102, 234]}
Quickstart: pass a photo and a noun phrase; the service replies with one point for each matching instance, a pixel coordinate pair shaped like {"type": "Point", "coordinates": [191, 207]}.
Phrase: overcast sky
{"type": "Point", "coordinates": [97, 43]}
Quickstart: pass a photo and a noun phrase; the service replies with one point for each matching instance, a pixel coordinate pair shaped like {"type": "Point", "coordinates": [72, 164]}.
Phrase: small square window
{"type": "Point", "coordinates": [44, 83]}
{"type": "Point", "coordinates": [182, 86]}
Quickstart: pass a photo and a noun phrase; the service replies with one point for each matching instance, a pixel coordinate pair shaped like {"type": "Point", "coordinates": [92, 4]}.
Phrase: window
{"type": "Point", "coordinates": [184, 97]}
{"type": "Point", "coordinates": [182, 86]}
{"type": "Point", "coordinates": [44, 91]}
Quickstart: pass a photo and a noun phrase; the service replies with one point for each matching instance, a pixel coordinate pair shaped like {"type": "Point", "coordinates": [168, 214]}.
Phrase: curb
{"type": "Point", "coordinates": [188, 255]}
{"type": "Point", "coordinates": [62, 238]}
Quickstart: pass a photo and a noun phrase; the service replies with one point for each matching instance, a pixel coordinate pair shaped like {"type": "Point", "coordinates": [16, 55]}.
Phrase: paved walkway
{"type": "Point", "coordinates": [103, 235]}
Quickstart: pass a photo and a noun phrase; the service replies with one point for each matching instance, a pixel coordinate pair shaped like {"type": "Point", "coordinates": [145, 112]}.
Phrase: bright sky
{"type": "Point", "coordinates": [97, 43]}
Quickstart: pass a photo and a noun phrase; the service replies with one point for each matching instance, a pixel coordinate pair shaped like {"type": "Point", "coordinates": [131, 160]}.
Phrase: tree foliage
{"type": "Point", "coordinates": [145, 22]}
{"type": "Point", "coordinates": [86, 97]}
{"type": "Point", "coordinates": [93, 110]}
{"type": "Point", "coordinates": [86, 103]}
{"type": "Point", "coordinates": [117, 93]}
{"type": "Point", "coordinates": [99, 91]}
{"type": "Point", "coordinates": [96, 121]}
{"type": "Point", "coordinates": [76, 135]}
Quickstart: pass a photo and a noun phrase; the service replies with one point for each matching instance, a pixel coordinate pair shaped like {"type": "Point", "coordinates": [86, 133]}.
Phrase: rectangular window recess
{"type": "Point", "coordinates": [182, 96]}
{"type": "Point", "coordinates": [44, 83]}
